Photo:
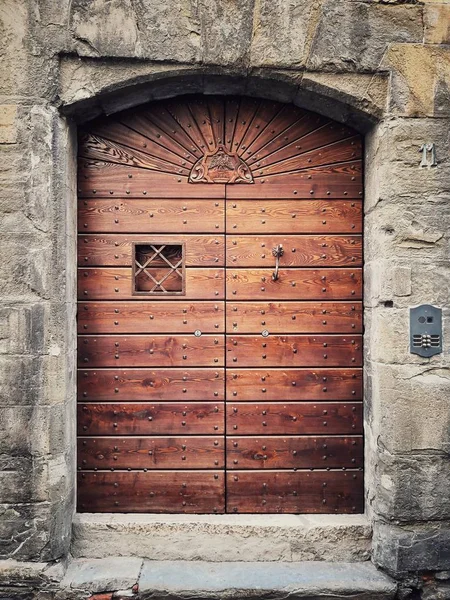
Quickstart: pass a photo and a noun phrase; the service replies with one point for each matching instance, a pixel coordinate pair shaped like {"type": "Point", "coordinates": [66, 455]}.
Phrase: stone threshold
{"type": "Point", "coordinates": [184, 580]}
{"type": "Point", "coordinates": [222, 538]}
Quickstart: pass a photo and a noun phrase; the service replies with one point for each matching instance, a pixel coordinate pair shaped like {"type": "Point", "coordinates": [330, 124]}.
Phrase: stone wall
{"type": "Point", "coordinates": [382, 66]}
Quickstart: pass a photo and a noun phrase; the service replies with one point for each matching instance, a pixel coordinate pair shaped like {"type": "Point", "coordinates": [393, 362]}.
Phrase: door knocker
{"type": "Point", "coordinates": [277, 252]}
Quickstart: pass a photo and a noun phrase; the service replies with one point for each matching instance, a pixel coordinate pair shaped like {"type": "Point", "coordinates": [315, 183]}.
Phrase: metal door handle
{"type": "Point", "coordinates": [277, 252]}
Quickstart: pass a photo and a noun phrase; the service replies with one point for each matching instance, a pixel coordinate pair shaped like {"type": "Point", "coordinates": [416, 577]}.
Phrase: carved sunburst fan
{"type": "Point", "coordinates": [209, 139]}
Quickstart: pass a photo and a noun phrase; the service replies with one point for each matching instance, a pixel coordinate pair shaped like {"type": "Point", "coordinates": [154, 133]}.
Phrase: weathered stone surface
{"type": "Point", "coordinates": [102, 575]}
{"type": "Point", "coordinates": [408, 549]}
{"type": "Point", "coordinates": [437, 23]}
{"type": "Point", "coordinates": [274, 580]}
{"type": "Point", "coordinates": [427, 95]}
{"type": "Point", "coordinates": [223, 537]}
{"type": "Point", "coordinates": [365, 32]}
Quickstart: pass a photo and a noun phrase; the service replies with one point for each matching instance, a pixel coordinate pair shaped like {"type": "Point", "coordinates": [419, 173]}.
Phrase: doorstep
{"type": "Point", "coordinates": [184, 580]}
{"type": "Point", "coordinates": [223, 538]}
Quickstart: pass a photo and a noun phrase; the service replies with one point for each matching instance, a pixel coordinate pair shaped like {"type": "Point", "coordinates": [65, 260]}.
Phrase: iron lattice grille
{"type": "Point", "coordinates": [158, 269]}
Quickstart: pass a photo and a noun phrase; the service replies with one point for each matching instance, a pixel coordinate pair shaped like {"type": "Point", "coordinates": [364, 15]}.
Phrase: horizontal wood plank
{"type": "Point", "coordinates": [112, 419]}
{"type": "Point", "coordinates": [151, 452]}
{"type": "Point", "coordinates": [294, 452]}
{"type": "Point", "coordinates": [295, 492]}
{"type": "Point", "coordinates": [152, 492]}
{"type": "Point", "coordinates": [179, 215]}
{"type": "Point", "coordinates": [294, 351]}
{"type": "Point", "coordinates": [281, 385]}
{"type": "Point", "coordinates": [260, 216]}
{"type": "Point", "coordinates": [116, 249]}
{"type": "Point", "coordinates": [150, 317]}
{"type": "Point", "coordinates": [294, 284]}
{"type": "Point", "coordinates": [294, 418]}
{"type": "Point", "coordinates": [116, 283]}
{"type": "Point", "coordinates": [298, 251]}
{"type": "Point", "coordinates": [101, 179]}
{"type": "Point", "coordinates": [294, 317]}
{"type": "Point", "coordinates": [150, 351]}
{"type": "Point", "coordinates": [147, 385]}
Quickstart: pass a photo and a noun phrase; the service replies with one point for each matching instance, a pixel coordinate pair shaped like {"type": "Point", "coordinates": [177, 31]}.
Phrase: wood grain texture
{"type": "Point", "coordinates": [150, 351]}
{"type": "Point", "coordinates": [299, 251]}
{"type": "Point", "coordinates": [151, 317]}
{"type": "Point", "coordinates": [147, 385]}
{"type": "Point", "coordinates": [294, 317]}
{"type": "Point", "coordinates": [295, 492]}
{"type": "Point", "coordinates": [281, 385]}
{"type": "Point", "coordinates": [147, 216]}
{"type": "Point", "coordinates": [294, 418]}
{"type": "Point", "coordinates": [100, 179]}
{"type": "Point", "coordinates": [294, 351]}
{"type": "Point", "coordinates": [151, 452]}
{"type": "Point", "coordinates": [294, 452]}
{"type": "Point", "coordinates": [152, 492]}
{"type": "Point", "coordinates": [258, 215]}
{"type": "Point", "coordinates": [294, 284]}
{"type": "Point", "coordinates": [116, 283]}
{"type": "Point", "coordinates": [116, 249]}
{"type": "Point", "coordinates": [112, 419]}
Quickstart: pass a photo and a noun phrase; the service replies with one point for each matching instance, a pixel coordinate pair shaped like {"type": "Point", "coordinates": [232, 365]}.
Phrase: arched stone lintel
{"type": "Point", "coordinates": [89, 88]}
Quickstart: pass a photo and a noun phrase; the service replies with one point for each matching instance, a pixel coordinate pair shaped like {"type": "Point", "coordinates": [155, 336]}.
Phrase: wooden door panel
{"type": "Point", "coordinates": [281, 385]}
{"type": "Point", "coordinates": [116, 249]}
{"type": "Point", "coordinates": [151, 215]}
{"type": "Point", "coordinates": [107, 147]}
{"type": "Point", "coordinates": [294, 317]}
{"type": "Point", "coordinates": [309, 284]}
{"type": "Point", "coordinates": [299, 418]}
{"type": "Point", "coordinates": [116, 283]}
{"type": "Point", "coordinates": [342, 180]}
{"type": "Point", "coordinates": [266, 143]}
{"type": "Point", "coordinates": [107, 180]}
{"type": "Point", "coordinates": [151, 317]}
{"type": "Point", "coordinates": [150, 351]}
{"type": "Point", "coordinates": [298, 251]}
{"type": "Point", "coordinates": [295, 492]}
{"type": "Point", "coordinates": [193, 492]}
{"type": "Point", "coordinates": [322, 217]}
{"type": "Point", "coordinates": [294, 351]}
{"type": "Point", "coordinates": [151, 452]}
{"type": "Point", "coordinates": [147, 385]}
{"type": "Point", "coordinates": [349, 149]}
{"type": "Point", "coordinates": [112, 419]}
{"type": "Point", "coordinates": [294, 452]}
{"type": "Point", "coordinates": [313, 135]}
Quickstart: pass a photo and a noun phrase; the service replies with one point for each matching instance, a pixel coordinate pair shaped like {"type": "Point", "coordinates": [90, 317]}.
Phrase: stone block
{"type": "Point", "coordinates": [437, 23]}
{"type": "Point", "coordinates": [366, 31]}
{"type": "Point", "coordinates": [413, 487]}
{"type": "Point", "coordinates": [102, 575]}
{"type": "Point", "coordinates": [217, 538]}
{"type": "Point", "coordinates": [420, 79]}
{"type": "Point", "coordinates": [399, 550]}
{"type": "Point", "coordinates": [122, 28]}
{"type": "Point", "coordinates": [274, 580]}
{"type": "Point", "coordinates": [282, 33]}
{"type": "Point", "coordinates": [8, 124]}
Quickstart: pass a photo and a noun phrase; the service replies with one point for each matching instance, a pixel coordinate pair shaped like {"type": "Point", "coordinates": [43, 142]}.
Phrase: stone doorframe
{"type": "Point", "coordinates": [402, 234]}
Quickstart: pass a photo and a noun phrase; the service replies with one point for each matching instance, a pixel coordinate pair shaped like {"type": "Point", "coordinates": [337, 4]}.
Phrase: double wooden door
{"type": "Point", "coordinates": [220, 317]}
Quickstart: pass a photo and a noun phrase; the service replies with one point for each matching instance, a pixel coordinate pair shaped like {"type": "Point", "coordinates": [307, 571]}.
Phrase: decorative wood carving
{"type": "Point", "coordinates": [221, 166]}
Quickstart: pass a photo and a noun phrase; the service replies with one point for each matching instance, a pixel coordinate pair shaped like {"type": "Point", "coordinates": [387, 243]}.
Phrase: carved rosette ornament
{"type": "Point", "coordinates": [220, 166]}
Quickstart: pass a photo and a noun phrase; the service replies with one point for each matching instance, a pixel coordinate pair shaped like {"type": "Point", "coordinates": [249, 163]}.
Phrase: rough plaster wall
{"type": "Point", "coordinates": [383, 61]}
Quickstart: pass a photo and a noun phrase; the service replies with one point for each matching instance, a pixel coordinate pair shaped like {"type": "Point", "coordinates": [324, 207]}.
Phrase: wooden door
{"type": "Point", "coordinates": [220, 314]}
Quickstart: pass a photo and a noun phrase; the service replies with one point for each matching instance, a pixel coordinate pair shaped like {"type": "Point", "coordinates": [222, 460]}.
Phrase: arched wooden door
{"type": "Point", "coordinates": [220, 315]}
